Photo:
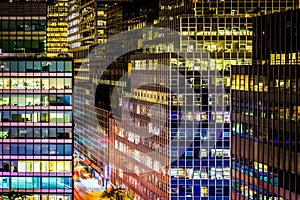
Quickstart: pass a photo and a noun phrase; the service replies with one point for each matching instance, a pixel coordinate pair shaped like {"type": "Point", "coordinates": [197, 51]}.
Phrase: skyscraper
{"type": "Point", "coordinates": [36, 127]}
{"type": "Point", "coordinates": [91, 141]}
{"type": "Point", "coordinates": [23, 27]}
{"type": "Point", "coordinates": [265, 112]}
{"type": "Point", "coordinates": [87, 27]}
{"type": "Point", "coordinates": [36, 131]}
{"type": "Point", "coordinates": [57, 28]}
{"type": "Point", "coordinates": [222, 32]}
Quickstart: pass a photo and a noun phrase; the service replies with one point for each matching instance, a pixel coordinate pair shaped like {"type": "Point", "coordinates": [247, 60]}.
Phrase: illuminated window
{"type": "Point", "coordinates": [203, 153]}
{"type": "Point", "coordinates": [100, 32]}
{"type": "Point", "coordinates": [204, 191]}
{"type": "Point", "coordinates": [233, 82]}
{"type": "Point", "coordinates": [100, 13]}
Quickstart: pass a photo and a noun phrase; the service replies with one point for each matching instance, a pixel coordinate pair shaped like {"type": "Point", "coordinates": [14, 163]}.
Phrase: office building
{"type": "Point", "coordinates": [57, 28]}
{"type": "Point", "coordinates": [87, 27]}
{"type": "Point", "coordinates": [156, 183]}
{"type": "Point", "coordinates": [130, 15]}
{"type": "Point", "coordinates": [23, 27]}
{"type": "Point", "coordinates": [223, 30]}
{"type": "Point", "coordinates": [181, 164]}
{"type": "Point", "coordinates": [36, 145]}
{"type": "Point", "coordinates": [36, 131]}
{"type": "Point", "coordinates": [90, 141]}
{"type": "Point", "coordinates": [265, 112]}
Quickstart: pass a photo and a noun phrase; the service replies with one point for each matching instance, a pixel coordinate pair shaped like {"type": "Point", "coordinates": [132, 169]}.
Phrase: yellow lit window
{"type": "Point", "coordinates": [100, 32]}
{"type": "Point", "coordinates": [237, 82]}
{"type": "Point", "coordinates": [242, 82]}
{"type": "Point", "coordinates": [296, 113]}
{"type": "Point", "coordinates": [101, 23]}
{"type": "Point", "coordinates": [277, 59]}
{"type": "Point", "coordinates": [246, 82]}
{"type": "Point", "coordinates": [101, 13]}
{"type": "Point", "coordinates": [204, 191]}
{"type": "Point", "coordinates": [233, 82]}
{"type": "Point", "coordinates": [282, 58]}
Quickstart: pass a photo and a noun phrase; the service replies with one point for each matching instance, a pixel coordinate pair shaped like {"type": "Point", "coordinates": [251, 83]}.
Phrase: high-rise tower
{"type": "Point", "coordinates": [265, 112]}
{"type": "Point", "coordinates": [222, 30]}
{"type": "Point", "coordinates": [23, 27]}
{"type": "Point", "coordinates": [57, 28]}
{"type": "Point", "coordinates": [36, 145]}
{"type": "Point", "coordinates": [36, 127]}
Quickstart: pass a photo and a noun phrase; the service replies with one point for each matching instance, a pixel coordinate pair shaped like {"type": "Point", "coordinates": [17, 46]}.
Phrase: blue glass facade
{"type": "Point", "coordinates": [178, 145]}
{"type": "Point", "coordinates": [165, 132]}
